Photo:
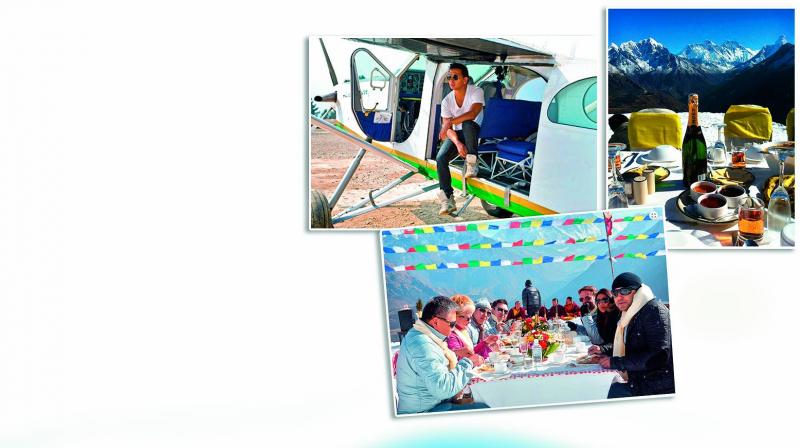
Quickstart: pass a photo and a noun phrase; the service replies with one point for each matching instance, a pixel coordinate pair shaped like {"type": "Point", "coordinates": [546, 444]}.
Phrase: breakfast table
{"type": "Point", "coordinates": [560, 379]}
{"type": "Point", "coordinates": [682, 231]}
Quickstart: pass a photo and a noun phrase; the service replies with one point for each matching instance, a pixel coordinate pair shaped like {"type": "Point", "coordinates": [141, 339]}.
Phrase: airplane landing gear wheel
{"type": "Point", "coordinates": [495, 211]}
{"type": "Point", "coordinates": [320, 211]}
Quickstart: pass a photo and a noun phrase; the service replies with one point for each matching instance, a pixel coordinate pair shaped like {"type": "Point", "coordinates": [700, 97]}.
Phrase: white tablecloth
{"type": "Point", "coordinates": [548, 384]}
{"type": "Point", "coordinates": [669, 189]}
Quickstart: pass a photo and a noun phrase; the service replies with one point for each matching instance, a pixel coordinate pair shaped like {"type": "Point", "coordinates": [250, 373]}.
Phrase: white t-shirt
{"type": "Point", "coordinates": [450, 109]}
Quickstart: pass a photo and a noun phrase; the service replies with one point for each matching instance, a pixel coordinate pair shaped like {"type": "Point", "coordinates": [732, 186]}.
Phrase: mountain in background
{"type": "Point", "coordinates": [770, 83]}
{"type": "Point", "coordinates": [405, 288]}
{"type": "Point", "coordinates": [645, 56]}
{"type": "Point", "coordinates": [651, 66]}
{"type": "Point", "coordinates": [717, 58]}
{"type": "Point", "coordinates": [765, 52]}
{"type": "Point", "coordinates": [625, 95]}
{"type": "Point", "coordinates": [646, 74]}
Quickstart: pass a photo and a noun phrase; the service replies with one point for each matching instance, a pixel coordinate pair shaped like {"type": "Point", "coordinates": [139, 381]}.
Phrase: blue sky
{"type": "Point", "coordinates": [676, 28]}
{"type": "Point", "coordinates": [552, 279]}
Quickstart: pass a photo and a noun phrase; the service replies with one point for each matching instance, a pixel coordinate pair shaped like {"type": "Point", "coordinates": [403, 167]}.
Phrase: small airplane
{"type": "Point", "coordinates": [537, 143]}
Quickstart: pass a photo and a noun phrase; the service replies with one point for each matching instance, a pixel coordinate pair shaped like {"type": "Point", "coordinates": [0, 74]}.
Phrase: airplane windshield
{"type": "Point", "coordinates": [477, 72]}
{"type": "Point", "coordinates": [418, 65]}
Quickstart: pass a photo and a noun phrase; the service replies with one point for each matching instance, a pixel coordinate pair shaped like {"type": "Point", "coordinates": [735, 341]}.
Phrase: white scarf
{"type": "Point", "coordinates": [642, 296]}
{"type": "Point", "coordinates": [451, 357]}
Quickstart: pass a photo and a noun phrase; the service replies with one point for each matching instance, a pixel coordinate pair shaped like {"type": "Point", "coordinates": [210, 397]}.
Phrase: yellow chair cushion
{"type": "Point", "coordinates": [749, 122]}
{"type": "Point", "coordinates": [646, 130]}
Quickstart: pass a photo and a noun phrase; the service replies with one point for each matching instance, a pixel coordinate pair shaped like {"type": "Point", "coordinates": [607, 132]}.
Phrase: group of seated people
{"type": "Point", "coordinates": [628, 327]}
{"type": "Point", "coordinates": [569, 309]}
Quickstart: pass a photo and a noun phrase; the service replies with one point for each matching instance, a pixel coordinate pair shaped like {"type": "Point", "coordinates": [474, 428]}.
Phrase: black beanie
{"type": "Point", "coordinates": [616, 120]}
{"type": "Point", "coordinates": [627, 280]}
{"type": "Point", "coordinates": [528, 283]}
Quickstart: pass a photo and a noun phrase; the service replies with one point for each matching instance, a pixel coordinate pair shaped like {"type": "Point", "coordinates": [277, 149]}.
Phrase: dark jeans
{"type": "Point", "coordinates": [447, 406]}
{"type": "Point", "coordinates": [447, 152]}
{"type": "Point", "coordinates": [620, 390]}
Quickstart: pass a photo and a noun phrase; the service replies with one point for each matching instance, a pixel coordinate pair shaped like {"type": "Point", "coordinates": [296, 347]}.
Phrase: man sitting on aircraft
{"type": "Point", "coordinates": [462, 112]}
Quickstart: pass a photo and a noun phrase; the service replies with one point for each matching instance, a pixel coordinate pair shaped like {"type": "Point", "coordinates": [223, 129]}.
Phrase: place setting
{"type": "Point", "coordinates": [710, 203]}
{"type": "Point", "coordinates": [536, 346]}
{"type": "Point", "coordinates": [666, 156]}
{"type": "Point", "coordinates": [703, 187]}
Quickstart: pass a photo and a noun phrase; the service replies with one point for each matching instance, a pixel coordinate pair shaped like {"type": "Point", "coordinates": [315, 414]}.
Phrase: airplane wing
{"type": "Point", "coordinates": [467, 50]}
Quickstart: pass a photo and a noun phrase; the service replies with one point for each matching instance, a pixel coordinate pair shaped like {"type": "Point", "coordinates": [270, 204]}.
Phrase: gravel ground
{"type": "Point", "coordinates": [330, 157]}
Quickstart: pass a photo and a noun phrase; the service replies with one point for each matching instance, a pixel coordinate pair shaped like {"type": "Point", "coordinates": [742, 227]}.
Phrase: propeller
{"type": "Point", "coordinates": [330, 65]}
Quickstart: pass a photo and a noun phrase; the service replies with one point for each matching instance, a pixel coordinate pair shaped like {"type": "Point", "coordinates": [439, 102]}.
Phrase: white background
{"type": "Point", "coordinates": [158, 286]}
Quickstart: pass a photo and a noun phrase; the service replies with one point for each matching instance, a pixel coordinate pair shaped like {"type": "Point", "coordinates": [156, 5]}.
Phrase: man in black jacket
{"type": "Point", "coordinates": [531, 299]}
{"type": "Point", "coordinates": [642, 344]}
{"type": "Point", "coordinates": [619, 126]}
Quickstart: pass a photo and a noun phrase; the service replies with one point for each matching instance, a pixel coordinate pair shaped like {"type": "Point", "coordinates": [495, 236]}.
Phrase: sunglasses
{"type": "Point", "coordinates": [452, 324]}
{"type": "Point", "coordinates": [622, 291]}
{"type": "Point", "coordinates": [481, 310]}
{"type": "Point", "coordinates": [603, 300]}
{"type": "Point", "coordinates": [453, 77]}
{"type": "Point", "coordinates": [502, 310]}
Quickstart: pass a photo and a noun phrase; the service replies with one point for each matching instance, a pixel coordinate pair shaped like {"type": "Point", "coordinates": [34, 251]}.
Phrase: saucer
{"type": "Point", "coordinates": [688, 207]}
{"type": "Point", "coordinates": [495, 375]}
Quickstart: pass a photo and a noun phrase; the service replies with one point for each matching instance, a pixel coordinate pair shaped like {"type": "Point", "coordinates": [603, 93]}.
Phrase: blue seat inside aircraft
{"type": "Point", "coordinates": [503, 119]}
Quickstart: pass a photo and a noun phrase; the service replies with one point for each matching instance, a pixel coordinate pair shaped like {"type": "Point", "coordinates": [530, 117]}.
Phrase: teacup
{"type": "Point", "coordinates": [702, 187]}
{"type": "Point", "coordinates": [500, 367]}
{"type": "Point", "coordinates": [664, 153]}
{"type": "Point", "coordinates": [733, 194]}
{"type": "Point", "coordinates": [712, 206]}
{"type": "Point", "coordinates": [493, 356]}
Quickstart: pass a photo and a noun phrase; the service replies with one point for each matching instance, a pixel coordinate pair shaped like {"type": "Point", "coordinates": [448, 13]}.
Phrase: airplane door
{"type": "Point", "coordinates": [373, 89]}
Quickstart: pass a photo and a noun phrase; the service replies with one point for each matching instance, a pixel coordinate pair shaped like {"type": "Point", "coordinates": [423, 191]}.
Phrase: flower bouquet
{"type": "Point", "coordinates": [534, 324]}
{"type": "Point", "coordinates": [545, 341]}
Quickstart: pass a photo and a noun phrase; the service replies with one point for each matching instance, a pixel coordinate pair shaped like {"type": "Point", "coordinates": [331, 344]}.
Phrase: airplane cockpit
{"type": "Point", "coordinates": [408, 102]}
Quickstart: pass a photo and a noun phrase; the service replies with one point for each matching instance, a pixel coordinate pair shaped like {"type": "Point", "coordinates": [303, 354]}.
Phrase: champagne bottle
{"type": "Point", "coordinates": [694, 147]}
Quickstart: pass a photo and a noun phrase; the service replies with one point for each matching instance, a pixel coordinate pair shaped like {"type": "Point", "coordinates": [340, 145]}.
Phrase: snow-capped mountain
{"type": "Point", "coordinates": [647, 56]}
{"type": "Point", "coordinates": [651, 66]}
{"type": "Point", "coordinates": [717, 58]}
{"type": "Point", "coordinates": [646, 74]}
{"type": "Point", "coordinates": [765, 52]}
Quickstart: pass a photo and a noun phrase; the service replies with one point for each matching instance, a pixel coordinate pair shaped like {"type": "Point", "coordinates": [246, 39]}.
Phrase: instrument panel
{"type": "Point", "coordinates": [411, 84]}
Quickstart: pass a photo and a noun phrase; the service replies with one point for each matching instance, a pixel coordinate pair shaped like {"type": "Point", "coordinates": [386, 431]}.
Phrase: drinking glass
{"type": "Point", "coordinates": [718, 155]}
{"type": "Point", "coordinates": [562, 347]}
{"type": "Point", "coordinates": [738, 157]}
{"type": "Point", "coordinates": [751, 220]}
{"type": "Point", "coordinates": [528, 362]}
{"type": "Point", "coordinates": [779, 210]}
{"type": "Point", "coordinates": [616, 189]}
{"type": "Point", "coordinates": [523, 345]}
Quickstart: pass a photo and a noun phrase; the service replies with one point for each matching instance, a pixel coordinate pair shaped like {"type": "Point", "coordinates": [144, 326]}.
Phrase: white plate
{"type": "Point", "coordinates": [495, 375]}
{"type": "Point", "coordinates": [754, 154]}
{"type": "Point", "coordinates": [656, 162]}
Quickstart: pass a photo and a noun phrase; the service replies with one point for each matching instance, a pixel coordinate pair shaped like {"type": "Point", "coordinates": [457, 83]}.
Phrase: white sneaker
{"type": "Point", "coordinates": [472, 166]}
{"type": "Point", "coordinates": [447, 205]}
